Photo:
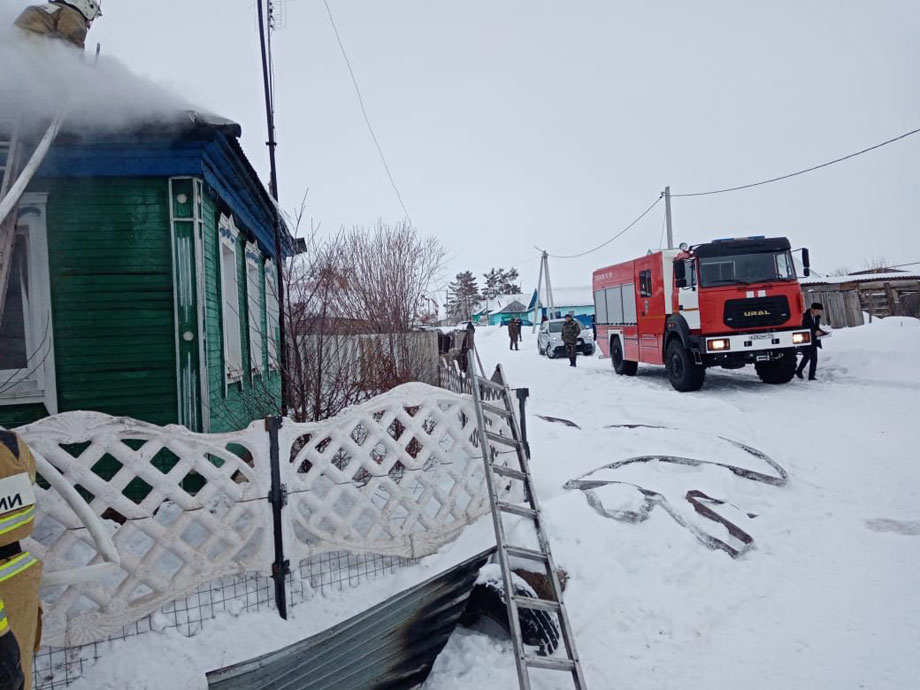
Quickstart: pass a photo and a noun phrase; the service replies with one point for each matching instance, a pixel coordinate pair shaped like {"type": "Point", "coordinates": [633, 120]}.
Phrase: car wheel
{"type": "Point", "coordinates": [551, 352]}
{"type": "Point", "coordinates": [620, 365]}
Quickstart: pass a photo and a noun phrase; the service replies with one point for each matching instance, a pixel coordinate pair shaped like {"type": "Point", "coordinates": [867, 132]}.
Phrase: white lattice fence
{"type": "Point", "coordinates": [183, 509]}
{"type": "Point", "coordinates": [398, 475]}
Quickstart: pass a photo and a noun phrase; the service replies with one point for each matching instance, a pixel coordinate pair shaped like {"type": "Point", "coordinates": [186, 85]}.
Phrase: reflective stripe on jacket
{"type": "Point", "coordinates": [16, 565]}
{"type": "Point", "coordinates": [17, 475]}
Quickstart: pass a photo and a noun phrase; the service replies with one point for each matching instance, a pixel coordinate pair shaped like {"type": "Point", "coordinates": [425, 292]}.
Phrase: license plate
{"type": "Point", "coordinates": [762, 358]}
{"type": "Point", "coordinates": [761, 336]}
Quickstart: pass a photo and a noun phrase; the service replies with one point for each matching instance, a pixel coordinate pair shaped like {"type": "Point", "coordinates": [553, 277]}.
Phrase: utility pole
{"type": "Point", "coordinates": [549, 285]}
{"type": "Point", "coordinates": [537, 307]}
{"type": "Point", "coordinates": [265, 41]}
{"type": "Point", "coordinates": [667, 215]}
{"type": "Point", "coordinates": [544, 280]}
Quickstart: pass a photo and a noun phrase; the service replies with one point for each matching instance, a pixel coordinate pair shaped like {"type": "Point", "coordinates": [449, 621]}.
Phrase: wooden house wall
{"type": "Point", "coordinates": [235, 405]}
{"type": "Point", "coordinates": [111, 292]}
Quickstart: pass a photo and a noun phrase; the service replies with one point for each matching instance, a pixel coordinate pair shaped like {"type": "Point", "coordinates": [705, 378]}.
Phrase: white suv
{"type": "Point", "coordinates": [549, 339]}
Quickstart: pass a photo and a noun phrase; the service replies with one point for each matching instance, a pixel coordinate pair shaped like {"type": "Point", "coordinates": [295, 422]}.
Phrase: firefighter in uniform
{"type": "Point", "coordinates": [11, 677]}
{"type": "Point", "coordinates": [69, 20]}
{"type": "Point", "coordinates": [20, 571]}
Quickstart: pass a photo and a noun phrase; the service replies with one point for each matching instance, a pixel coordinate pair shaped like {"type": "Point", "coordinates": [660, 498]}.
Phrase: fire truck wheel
{"type": "Point", "coordinates": [621, 366]}
{"type": "Point", "coordinates": [778, 371]}
{"type": "Point", "coordinates": [685, 374]}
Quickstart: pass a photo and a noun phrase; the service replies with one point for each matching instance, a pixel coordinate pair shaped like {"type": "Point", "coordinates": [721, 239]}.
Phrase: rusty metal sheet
{"type": "Point", "coordinates": [392, 645]}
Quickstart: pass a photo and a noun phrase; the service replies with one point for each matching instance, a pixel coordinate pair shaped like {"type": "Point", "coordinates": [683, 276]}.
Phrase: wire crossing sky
{"type": "Point", "coordinates": [551, 124]}
{"type": "Point", "coordinates": [738, 188]}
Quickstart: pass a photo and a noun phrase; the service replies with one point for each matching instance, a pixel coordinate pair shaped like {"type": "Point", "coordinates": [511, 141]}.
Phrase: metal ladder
{"type": "Point", "coordinates": [10, 157]}
{"type": "Point", "coordinates": [542, 555]}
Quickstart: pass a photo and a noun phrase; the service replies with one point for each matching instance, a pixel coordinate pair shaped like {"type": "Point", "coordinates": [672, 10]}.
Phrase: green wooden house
{"type": "Point", "coordinates": [144, 281]}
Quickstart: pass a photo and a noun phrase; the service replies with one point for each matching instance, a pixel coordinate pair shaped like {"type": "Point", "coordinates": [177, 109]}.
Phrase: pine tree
{"type": "Point", "coordinates": [494, 279]}
{"type": "Point", "coordinates": [509, 284]}
{"type": "Point", "coordinates": [463, 296]}
{"type": "Point", "coordinates": [501, 282]}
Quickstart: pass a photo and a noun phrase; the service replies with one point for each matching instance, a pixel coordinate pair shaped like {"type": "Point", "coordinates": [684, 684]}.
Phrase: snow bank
{"type": "Point", "coordinates": [886, 350]}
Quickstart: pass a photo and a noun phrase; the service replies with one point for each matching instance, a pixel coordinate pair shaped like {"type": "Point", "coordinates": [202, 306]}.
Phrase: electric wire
{"type": "Point", "coordinates": [616, 236]}
{"type": "Point", "coordinates": [799, 172]}
{"type": "Point", "coordinates": [367, 119]}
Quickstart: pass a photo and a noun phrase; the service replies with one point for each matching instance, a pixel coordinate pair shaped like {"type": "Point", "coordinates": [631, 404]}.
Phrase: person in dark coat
{"type": "Point", "coordinates": [467, 336]}
{"type": "Point", "coordinates": [571, 329]}
{"type": "Point", "coordinates": [514, 333]}
{"type": "Point", "coordinates": [811, 320]}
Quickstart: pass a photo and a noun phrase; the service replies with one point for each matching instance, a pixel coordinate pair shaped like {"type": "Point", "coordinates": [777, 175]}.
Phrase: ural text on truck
{"type": "Point", "coordinates": [726, 303]}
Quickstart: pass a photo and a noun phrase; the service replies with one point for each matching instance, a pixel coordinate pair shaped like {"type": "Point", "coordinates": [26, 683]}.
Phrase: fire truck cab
{"type": "Point", "coordinates": [725, 303]}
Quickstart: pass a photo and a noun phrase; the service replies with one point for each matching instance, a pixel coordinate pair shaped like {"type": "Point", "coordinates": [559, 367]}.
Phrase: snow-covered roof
{"type": "Point", "coordinates": [497, 304]}
{"type": "Point", "coordinates": [572, 296]}
{"type": "Point", "coordinates": [860, 277]}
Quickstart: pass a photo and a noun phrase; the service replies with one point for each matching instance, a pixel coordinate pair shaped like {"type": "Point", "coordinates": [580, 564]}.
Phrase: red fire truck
{"type": "Point", "coordinates": [726, 303]}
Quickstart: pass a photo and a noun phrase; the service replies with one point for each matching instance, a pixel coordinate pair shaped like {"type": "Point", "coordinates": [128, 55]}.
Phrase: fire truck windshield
{"type": "Point", "coordinates": [746, 268]}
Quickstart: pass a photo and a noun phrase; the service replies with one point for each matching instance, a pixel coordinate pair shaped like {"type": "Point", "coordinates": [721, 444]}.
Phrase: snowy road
{"type": "Point", "coordinates": [828, 597]}
{"type": "Point", "coordinates": [826, 600]}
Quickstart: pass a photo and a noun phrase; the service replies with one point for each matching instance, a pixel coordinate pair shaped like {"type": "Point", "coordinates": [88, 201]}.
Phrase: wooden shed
{"type": "Point", "coordinates": [144, 281]}
{"type": "Point", "coordinates": [852, 299]}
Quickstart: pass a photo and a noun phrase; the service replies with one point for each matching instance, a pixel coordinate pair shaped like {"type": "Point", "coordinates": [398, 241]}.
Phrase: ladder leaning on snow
{"type": "Point", "coordinates": [500, 393]}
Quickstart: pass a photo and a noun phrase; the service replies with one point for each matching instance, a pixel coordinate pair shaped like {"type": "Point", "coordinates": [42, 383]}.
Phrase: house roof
{"type": "Point", "coordinates": [568, 297]}
{"type": "Point", "coordinates": [501, 303]}
{"type": "Point", "coordinates": [121, 125]}
{"type": "Point", "coordinates": [860, 277]}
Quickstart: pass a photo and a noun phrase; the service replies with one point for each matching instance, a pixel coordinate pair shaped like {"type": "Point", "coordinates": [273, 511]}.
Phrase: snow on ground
{"type": "Point", "coordinates": [828, 597]}
{"type": "Point", "coordinates": [826, 600]}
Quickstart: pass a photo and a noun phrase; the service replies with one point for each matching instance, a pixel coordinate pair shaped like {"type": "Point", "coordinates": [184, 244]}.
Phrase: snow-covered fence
{"type": "Point", "coordinates": [399, 475]}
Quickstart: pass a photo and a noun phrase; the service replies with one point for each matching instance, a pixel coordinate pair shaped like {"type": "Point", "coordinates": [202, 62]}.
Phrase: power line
{"type": "Point", "coordinates": [619, 234]}
{"type": "Point", "coordinates": [367, 119]}
{"type": "Point", "coordinates": [801, 172]}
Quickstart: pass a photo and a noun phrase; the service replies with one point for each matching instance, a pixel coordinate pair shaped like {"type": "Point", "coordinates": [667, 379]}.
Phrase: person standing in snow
{"type": "Point", "coordinates": [571, 329]}
{"type": "Point", "coordinates": [514, 333]}
{"type": "Point", "coordinates": [68, 20]}
{"type": "Point", "coordinates": [811, 320]}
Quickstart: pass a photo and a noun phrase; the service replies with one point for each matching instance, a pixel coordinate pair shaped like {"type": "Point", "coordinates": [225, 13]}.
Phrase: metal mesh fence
{"type": "Point", "coordinates": [58, 667]}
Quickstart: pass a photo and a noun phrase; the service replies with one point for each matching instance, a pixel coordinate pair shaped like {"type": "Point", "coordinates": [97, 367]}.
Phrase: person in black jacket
{"type": "Point", "coordinates": [811, 320]}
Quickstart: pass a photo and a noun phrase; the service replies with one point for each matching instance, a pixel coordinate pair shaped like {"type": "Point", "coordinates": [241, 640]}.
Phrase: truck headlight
{"type": "Point", "coordinates": [718, 344]}
{"type": "Point", "coordinates": [801, 338]}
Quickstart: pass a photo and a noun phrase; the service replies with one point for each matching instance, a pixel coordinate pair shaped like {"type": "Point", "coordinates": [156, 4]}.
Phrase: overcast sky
{"type": "Point", "coordinates": [514, 123]}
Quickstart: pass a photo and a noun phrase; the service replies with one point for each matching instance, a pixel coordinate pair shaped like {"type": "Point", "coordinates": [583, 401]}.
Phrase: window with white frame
{"type": "Point", "coordinates": [272, 313]}
{"type": "Point", "coordinates": [254, 307]}
{"type": "Point", "coordinates": [230, 299]}
{"type": "Point", "coordinates": [26, 332]}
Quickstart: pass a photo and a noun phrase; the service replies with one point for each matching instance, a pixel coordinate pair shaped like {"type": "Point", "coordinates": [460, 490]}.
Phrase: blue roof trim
{"type": "Point", "coordinates": [225, 170]}
{"type": "Point", "coordinates": [218, 159]}
{"type": "Point", "coordinates": [124, 159]}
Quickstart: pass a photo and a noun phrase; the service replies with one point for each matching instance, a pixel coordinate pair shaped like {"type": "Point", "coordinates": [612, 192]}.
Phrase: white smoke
{"type": "Point", "coordinates": [39, 76]}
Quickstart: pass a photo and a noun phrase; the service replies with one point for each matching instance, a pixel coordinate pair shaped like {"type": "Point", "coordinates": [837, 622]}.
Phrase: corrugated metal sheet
{"type": "Point", "coordinates": [392, 645]}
